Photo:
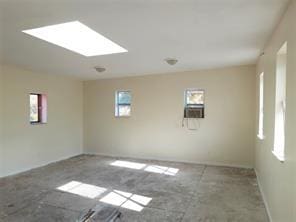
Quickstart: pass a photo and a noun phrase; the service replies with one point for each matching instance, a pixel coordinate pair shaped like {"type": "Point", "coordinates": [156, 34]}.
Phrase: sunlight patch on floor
{"type": "Point", "coordinates": [126, 200]}
{"type": "Point", "coordinates": [82, 189]}
{"type": "Point", "coordinates": [162, 170]}
{"type": "Point", "coordinates": [148, 168]}
{"type": "Point", "coordinates": [116, 197]}
{"type": "Point", "coordinates": [128, 164]}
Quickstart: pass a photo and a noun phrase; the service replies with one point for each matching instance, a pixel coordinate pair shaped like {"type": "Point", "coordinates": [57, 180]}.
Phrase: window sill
{"type": "Point", "coordinates": [39, 123]}
{"type": "Point", "coordinates": [122, 116]}
{"type": "Point", "coordinates": [280, 157]}
{"type": "Point", "coordinates": [261, 137]}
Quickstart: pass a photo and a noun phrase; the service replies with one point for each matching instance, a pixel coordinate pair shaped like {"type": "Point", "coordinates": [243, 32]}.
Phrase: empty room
{"type": "Point", "coordinates": [148, 111]}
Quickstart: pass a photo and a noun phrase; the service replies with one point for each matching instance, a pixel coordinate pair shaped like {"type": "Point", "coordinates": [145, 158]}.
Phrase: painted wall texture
{"type": "Point", "coordinates": [1, 123]}
{"type": "Point", "coordinates": [154, 130]}
{"type": "Point", "coordinates": [26, 146]}
{"type": "Point", "coordinates": [278, 180]}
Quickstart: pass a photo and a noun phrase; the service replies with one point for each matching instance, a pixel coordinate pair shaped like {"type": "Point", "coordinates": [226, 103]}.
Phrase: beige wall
{"type": "Point", "coordinates": [225, 136]}
{"type": "Point", "coordinates": [27, 146]}
{"type": "Point", "coordinates": [277, 180]}
{"type": "Point", "coordinates": [1, 121]}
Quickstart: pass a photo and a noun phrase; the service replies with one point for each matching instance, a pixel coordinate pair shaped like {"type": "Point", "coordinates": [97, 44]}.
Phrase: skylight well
{"type": "Point", "coordinates": [76, 37]}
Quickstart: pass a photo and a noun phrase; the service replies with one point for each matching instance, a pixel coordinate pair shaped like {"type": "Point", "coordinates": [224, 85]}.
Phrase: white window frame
{"type": "Point", "coordinates": [261, 107]}
{"type": "Point", "coordinates": [117, 105]}
{"type": "Point", "coordinates": [280, 103]}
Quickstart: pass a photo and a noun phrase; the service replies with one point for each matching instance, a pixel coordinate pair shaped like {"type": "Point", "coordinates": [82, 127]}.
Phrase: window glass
{"type": "Point", "coordinates": [194, 97]}
{"type": "Point", "coordinates": [38, 108]}
{"type": "Point", "coordinates": [123, 103]}
{"type": "Point", "coordinates": [261, 108]}
{"type": "Point", "coordinates": [124, 110]}
{"type": "Point", "coordinates": [34, 112]}
{"type": "Point", "coordinates": [124, 97]}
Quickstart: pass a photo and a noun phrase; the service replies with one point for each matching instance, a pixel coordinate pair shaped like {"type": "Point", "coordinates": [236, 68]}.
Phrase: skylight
{"type": "Point", "coordinates": [76, 37]}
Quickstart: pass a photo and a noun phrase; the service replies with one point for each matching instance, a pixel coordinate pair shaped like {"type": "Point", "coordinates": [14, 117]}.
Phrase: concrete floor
{"type": "Point", "coordinates": [146, 191]}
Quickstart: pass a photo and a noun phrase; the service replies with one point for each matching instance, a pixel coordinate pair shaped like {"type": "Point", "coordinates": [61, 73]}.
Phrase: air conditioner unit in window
{"type": "Point", "coordinates": [194, 112]}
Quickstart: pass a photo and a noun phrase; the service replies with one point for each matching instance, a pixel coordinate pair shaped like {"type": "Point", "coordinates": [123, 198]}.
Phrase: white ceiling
{"type": "Point", "coordinates": [201, 34]}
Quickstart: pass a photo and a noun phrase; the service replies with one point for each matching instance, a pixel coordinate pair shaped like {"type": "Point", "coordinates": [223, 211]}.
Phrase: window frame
{"type": "Point", "coordinates": [118, 105]}
{"type": "Point", "coordinates": [260, 134]}
{"type": "Point", "coordinates": [39, 108]}
{"type": "Point", "coordinates": [280, 97]}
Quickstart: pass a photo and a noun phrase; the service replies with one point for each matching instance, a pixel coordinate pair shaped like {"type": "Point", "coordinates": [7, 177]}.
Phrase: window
{"type": "Point", "coordinates": [280, 103]}
{"type": "Point", "coordinates": [194, 103]}
{"type": "Point", "coordinates": [123, 103]}
{"type": "Point", "coordinates": [38, 108]}
{"type": "Point", "coordinates": [194, 98]}
{"type": "Point", "coordinates": [261, 108]}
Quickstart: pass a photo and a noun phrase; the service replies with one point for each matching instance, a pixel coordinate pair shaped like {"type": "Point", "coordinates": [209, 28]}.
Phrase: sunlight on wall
{"type": "Point", "coordinates": [148, 168]}
{"type": "Point", "coordinates": [126, 200]}
{"type": "Point", "coordinates": [82, 189]}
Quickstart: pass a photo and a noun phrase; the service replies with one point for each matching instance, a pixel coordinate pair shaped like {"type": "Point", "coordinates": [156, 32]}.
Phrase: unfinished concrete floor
{"type": "Point", "coordinates": [143, 190]}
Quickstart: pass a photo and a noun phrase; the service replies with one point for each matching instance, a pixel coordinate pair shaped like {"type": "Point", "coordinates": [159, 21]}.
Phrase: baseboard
{"type": "Point", "coordinates": [134, 157]}
{"type": "Point", "coordinates": [171, 160]}
{"type": "Point", "coordinates": [40, 165]}
{"type": "Point", "coordinates": [263, 196]}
